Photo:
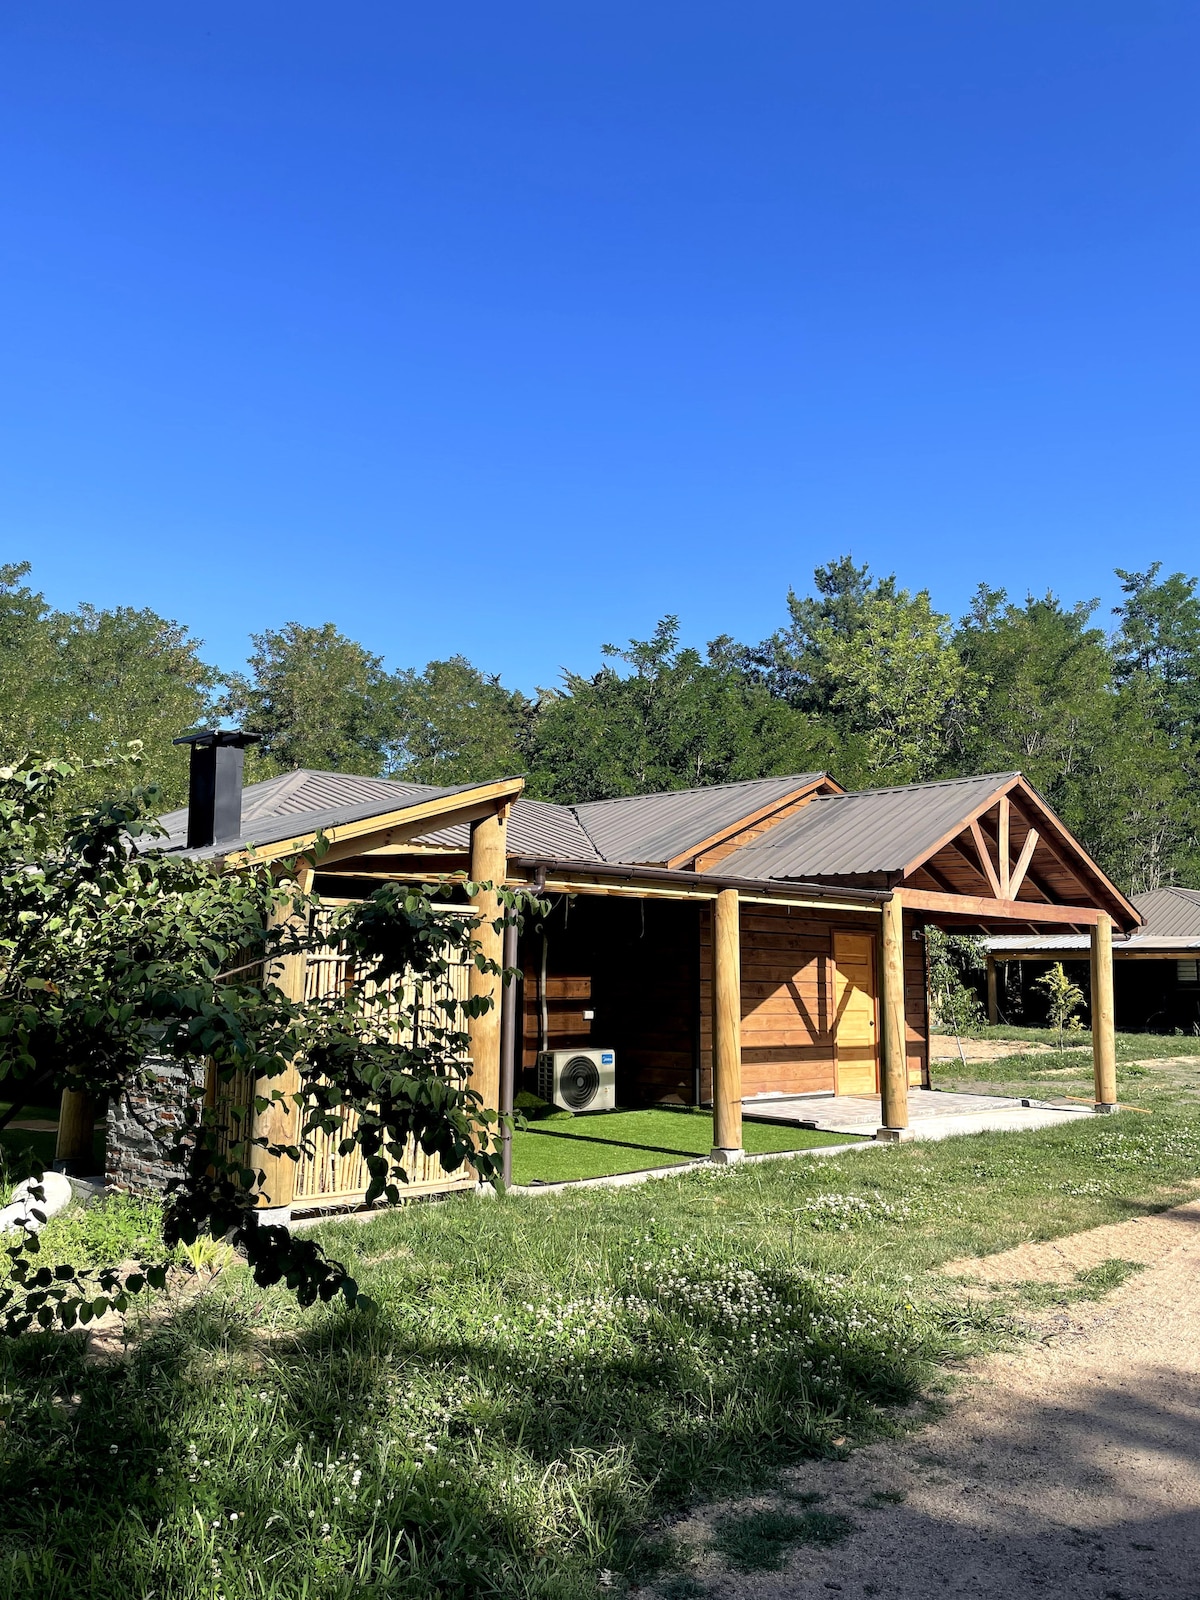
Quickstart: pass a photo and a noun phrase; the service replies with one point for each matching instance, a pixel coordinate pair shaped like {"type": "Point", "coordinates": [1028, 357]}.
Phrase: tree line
{"type": "Point", "coordinates": [863, 679]}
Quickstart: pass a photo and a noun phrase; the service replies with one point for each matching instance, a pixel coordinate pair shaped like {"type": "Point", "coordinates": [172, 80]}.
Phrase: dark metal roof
{"type": "Point", "coordinates": [1172, 925]}
{"type": "Point", "coordinates": [873, 831]}
{"type": "Point", "coordinates": [654, 828]}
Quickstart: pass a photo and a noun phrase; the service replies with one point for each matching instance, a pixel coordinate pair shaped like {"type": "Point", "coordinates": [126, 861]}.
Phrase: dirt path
{"type": "Point", "coordinates": [1070, 1468]}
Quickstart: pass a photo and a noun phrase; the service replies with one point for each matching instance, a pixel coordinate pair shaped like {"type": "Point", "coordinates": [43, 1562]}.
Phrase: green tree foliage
{"type": "Point", "coordinates": [82, 684]}
{"type": "Point", "coordinates": [950, 957]}
{"type": "Point", "coordinates": [319, 700]}
{"type": "Point", "coordinates": [877, 665]}
{"type": "Point", "coordinates": [1158, 644]}
{"type": "Point", "coordinates": [106, 942]}
{"type": "Point", "coordinates": [672, 719]}
{"type": "Point", "coordinates": [455, 724]}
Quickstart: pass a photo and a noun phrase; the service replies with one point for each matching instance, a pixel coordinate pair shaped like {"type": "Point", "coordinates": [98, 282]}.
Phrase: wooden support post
{"type": "Point", "coordinates": [76, 1129]}
{"type": "Point", "coordinates": [1104, 1042]}
{"type": "Point", "coordinates": [508, 1051]}
{"type": "Point", "coordinates": [280, 1121]}
{"type": "Point", "coordinates": [893, 1067]}
{"type": "Point", "coordinates": [993, 1003]}
{"type": "Point", "coordinates": [727, 1028]}
{"type": "Point", "coordinates": [489, 864]}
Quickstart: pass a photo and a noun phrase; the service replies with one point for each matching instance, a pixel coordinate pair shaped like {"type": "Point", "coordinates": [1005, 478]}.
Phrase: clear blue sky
{"type": "Point", "coordinates": [505, 329]}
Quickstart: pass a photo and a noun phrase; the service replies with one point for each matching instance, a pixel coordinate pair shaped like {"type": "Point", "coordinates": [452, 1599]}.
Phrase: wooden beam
{"type": "Point", "coordinates": [1104, 1043]}
{"type": "Point", "coordinates": [985, 859]}
{"type": "Point", "coordinates": [727, 1027]}
{"type": "Point", "coordinates": [893, 1066]}
{"type": "Point", "coordinates": [489, 861]}
{"type": "Point", "coordinates": [1022, 866]}
{"type": "Point", "coordinates": [1003, 854]}
{"type": "Point", "coordinates": [993, 998]}
{"type": "Point", "coordinates": [984, 910]}
{"type": "Point", "coordinates": [939, 877]}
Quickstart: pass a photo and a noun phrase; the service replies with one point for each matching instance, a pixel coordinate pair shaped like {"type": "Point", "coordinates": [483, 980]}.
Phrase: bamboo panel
{"type": "Point", "coordinates": [323, 1177]}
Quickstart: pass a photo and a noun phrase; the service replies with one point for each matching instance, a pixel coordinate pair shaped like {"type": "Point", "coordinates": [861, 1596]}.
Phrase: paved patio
{"type": "Point", "coordinates": [932, 1113]}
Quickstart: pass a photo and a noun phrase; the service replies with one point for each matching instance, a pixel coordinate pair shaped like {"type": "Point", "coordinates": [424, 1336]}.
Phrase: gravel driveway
{"type": "Point", "coordinates": [1070, 1468]}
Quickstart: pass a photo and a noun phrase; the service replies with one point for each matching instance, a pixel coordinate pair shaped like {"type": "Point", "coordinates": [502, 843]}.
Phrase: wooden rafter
{"type": "Point", "coordinates": [985, 858]}
{"type": "Point", "coordinates": [1003, 854]}
{"type": "Point", "coordinates": [1022, 866]}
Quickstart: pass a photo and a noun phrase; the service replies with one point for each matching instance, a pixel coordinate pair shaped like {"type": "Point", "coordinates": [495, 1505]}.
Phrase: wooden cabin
{"type": "Point", "coordinates": [1156, 969]}
{"type": "Point", "coordinates": [724, 942]}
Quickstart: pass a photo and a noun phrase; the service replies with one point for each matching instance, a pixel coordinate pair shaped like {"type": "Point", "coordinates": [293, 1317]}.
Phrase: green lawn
{"type": "Point", "coordinates": [539, 1380]}
{"type": "Point", "coordinates": [559, 1149]}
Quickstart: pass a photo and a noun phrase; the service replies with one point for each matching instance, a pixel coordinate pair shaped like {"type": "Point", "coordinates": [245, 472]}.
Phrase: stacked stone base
{"type": "Point", "coordinates": [141, 1127]}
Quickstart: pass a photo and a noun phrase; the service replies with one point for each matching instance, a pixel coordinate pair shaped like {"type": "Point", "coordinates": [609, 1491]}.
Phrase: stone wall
{"type": "Point", "coordinates": [141, 1127]}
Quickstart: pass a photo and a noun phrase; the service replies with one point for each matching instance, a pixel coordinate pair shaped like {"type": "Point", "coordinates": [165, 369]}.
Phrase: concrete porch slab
{"type": "Point", "coordinates": [932, 1113]}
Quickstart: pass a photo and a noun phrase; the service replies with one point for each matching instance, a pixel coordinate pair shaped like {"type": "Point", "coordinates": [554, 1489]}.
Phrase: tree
{"type": "Point", "coordinates": [672, 719]}
{"type": "Point", "coordinates": [901, 682]}
{"type": "Point", "coordinates": [105, 942]}
{"type": "Point", "coordinates": [82, 684]}
{"type": "Point", "coordinates": [1064, 999]}
{"type": "Point", "coordinates": [455, 724]}
{"type": "Point", "coordinates": [318, 698]}
{"type": "Point", "coordinates": [949, 956]}
{"type": "Point", "coordinates": [1158, 643]}
{"type": "Point", "coordinates": [794, 662]}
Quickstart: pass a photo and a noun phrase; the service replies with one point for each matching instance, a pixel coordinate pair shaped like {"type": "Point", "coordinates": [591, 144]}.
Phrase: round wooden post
{"type": "Point", "coordinates": [76, 1128]}
{"type": "Point", "coordinates": [1104, 1042]}
{"type": "Point", "coordinates": [893, 1067]}
{"type": "Point", "coordinates": [727, 1028]}
{"type": "Point", "coordinates": [489, 864]}
{"type": "Point", "coordinates": [993, 1001]}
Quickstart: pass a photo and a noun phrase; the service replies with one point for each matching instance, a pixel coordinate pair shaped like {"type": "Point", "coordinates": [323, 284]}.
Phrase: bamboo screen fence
{"type": "Point", "coordinates": [325, 1179]}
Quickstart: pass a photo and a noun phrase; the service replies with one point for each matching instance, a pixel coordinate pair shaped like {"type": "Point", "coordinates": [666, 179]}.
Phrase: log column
{"type": "Point", "coordinates": [489, 864]}
{"type": "Point", "coordinates": [727, 1028]}
{"type": "Point", "coordinates": [76, 1128]}
{"type": "Point", "coordinates": [993, 999]}
{"type": "Point", "coordinates": [893, 1066]}
{"type": "Point", "coordinates": [1104, 1042]}
{"type": "Point", "coordinates": [279, 1122]}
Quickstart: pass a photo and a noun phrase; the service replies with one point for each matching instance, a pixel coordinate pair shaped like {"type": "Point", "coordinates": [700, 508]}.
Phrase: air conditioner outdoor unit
{"type": "Point", "coordinates": [578, 1080]}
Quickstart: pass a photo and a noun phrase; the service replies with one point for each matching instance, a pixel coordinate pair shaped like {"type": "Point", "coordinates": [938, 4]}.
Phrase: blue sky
{"type": "Point", "coordinates": [508, 329]}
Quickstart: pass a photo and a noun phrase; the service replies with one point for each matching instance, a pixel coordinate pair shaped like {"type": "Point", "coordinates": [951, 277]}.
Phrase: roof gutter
{"type": "Point", "coordinates": [700, 885]}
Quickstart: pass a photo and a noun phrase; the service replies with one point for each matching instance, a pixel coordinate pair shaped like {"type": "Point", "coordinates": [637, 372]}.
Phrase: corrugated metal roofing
{"type": "Point", "coordinates": [301, 802]}
{"type": "Point", "coordinates": [649, 829]}
{"type": "Point", "coordinates": [1172, 925]}
{"type": "Point", "coordinates": [875, 830]}
{"type": "Point", "coordinates": [534, 828]}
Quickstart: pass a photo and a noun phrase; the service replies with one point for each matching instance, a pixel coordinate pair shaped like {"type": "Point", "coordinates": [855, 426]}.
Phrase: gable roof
{"type": "Point", "coordinates": [872, 831]}
{"type": "Point", "coordinates": [652, 829]}
{"type": "Point", "coordinates": [1172, 925]}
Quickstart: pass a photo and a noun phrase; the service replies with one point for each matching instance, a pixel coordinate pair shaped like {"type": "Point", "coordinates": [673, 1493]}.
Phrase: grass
{"type": "Point", "coordinates": [539, 1381]}
{"type": "Point", "coordinates": [758, 1541]}
{"type": "Point", "coordinates": [599, 1144]}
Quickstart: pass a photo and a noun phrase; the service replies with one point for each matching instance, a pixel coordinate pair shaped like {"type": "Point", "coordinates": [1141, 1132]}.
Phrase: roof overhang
{"type": "Point", "coordinates": [387, 831]}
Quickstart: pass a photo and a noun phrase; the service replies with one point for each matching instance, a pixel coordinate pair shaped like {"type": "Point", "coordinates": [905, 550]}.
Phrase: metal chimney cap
{"type": "Point", "coordinates": [236, 737]}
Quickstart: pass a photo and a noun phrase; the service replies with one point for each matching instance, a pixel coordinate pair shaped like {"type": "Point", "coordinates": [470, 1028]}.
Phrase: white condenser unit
{"type": "Point", "coordinates": [578, 1080]}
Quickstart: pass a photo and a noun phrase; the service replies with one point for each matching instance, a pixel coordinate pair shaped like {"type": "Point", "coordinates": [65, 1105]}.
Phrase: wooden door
{"type": "Point", "coordinates": [856, 1027]}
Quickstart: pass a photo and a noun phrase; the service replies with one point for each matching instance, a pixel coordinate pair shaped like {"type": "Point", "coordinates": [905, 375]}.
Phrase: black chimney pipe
{"type": "Point", "coordinates": [215, 784]}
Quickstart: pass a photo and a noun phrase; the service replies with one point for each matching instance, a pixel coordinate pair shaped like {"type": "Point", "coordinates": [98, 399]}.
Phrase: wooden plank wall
{"type": "Point", "coordinates": [787, 999]}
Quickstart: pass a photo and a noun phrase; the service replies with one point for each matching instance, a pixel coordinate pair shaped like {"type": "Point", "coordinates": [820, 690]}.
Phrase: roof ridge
{"type": "Point", "coordinates": [931, 783]}
{"type": "Point", "coordinates": [700, 788]}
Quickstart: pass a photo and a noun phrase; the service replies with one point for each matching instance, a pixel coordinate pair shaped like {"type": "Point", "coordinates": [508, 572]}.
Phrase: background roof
{"type": "Point", "coordinates": [1172, 924]}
